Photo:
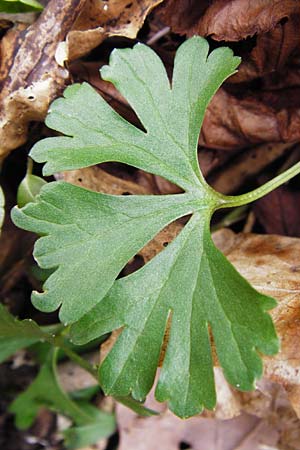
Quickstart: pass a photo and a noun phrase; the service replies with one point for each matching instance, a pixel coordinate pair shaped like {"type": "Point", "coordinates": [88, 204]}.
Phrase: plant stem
{"type": "Point", "coordinates": [229, 201]}
{"type": "Point", "coordinates": [29, 166]}
{"type": "Point", "coordinates": [231, 218]}
{"type": "Point", "coordinates": [76, 358]}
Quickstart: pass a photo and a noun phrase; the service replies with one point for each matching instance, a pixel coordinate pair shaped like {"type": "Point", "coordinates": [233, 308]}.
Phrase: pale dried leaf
{"type": "Point", "coordinates": [30, 77]}
{"type": "Point", "coordinates": [271, 264]}
{"type": "Point", "coordinates": [73, 377]}
{"type": "Point", "coordinates": [168, 432]}
{"type": "Point", "coordinates": [100, 19]}
{"type": "Point", "coordinates": [32, 71]}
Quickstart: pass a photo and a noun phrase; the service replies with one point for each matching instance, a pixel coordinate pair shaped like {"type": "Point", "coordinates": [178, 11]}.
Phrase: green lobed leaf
{"type": "Point", "coordinates": [89, 237]}
{"type": "Point", "coordinates": [16, 334]}
{"type": "Point", "coordinates": [172, 118]}
{"type": "Point", "coordinates": [45, 391]}
{"type": "Point", "coordinates": [101, 426]}
{"type": "Point", "coordinates": [214, 295]}
{"type": "Point", "coordinates": [19, 6]}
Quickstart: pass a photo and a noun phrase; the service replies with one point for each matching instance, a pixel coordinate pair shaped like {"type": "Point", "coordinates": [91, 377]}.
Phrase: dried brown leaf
{"type": "Point", "coordinates": [245, 166]}
{"type": "Point", "coordinates": [240, 121]}
{"type": "Point", "coordinates": [271, 264]}
{"type": "Point", "coordinates": [98, 180]}
{"type": "Point", "coordinates": [279, 212]}
{"type": "Point", "coordinates": [229, 20]}
{"type": "Point", "coordinates": [32, 70]}
{"type": "Point", "coordinates": [100, 19]}
{"type": "Point", "coordinates": [266, 34]}
{"type": "Point", "coordinates": [30, 77]}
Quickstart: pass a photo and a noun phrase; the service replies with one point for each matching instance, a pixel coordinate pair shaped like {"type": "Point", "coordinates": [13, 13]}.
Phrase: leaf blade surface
{"type": "Point", "coordinates": [16, 334]}
{"type": "Point", "coordinates": [142, 303]}
{"type": "Point", "coordinates": [89, 237]}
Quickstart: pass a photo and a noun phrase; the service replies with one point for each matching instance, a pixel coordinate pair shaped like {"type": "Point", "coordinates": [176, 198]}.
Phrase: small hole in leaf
{"type": "Point", "coordinates": [31, 97]}
{"type": "Point", "coordinates": [165, 244]}
{"type": "Point", "coordinates": [80, 180]}
{"type": "Point", "coordinates": [184, 445]}
{"type": "Point", "coordinates": [126, 193]}
{"type": "Point", "coordinates": [136, 263]}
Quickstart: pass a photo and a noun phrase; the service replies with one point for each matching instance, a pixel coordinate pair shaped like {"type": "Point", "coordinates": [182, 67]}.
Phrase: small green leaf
{"type": "Point", "coordinates": [16, 334]}
{"type": "Point", "coordinates": [88, 237]}
{"type": "Point", "coordinates": [45, 391]}
{"type": "Point", "coordinates": [20, 6]}
{"type": "Point", "coordinates": [28, 189]}
{"type": "Point", "coordinates": [102, 426]}
{"type": "Point", "coordinates": [85, 394]}
{"type": "Point", "coordinates": [2, 212]}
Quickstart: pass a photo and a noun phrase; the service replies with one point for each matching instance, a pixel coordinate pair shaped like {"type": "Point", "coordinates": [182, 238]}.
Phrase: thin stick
{"type": "Point", "coordinates": [156, 37]}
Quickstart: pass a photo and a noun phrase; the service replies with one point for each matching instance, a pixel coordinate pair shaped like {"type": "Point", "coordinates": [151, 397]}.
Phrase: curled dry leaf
{"type": "Point", "coordinates": [274, 24]}
{"type": "Point", "coordinates": [266, 35]}
{"type": "Point", "coordinates": [245, 166]}
{"type": "Point", "coordinates": [32, 71]}
{"type": "Point", "coordinates": [239, 122]}
{"type": "Point", "coordinates": [30, 77]}
{"type": "Point", "coordinates": [100, 19]}
{"type": "Point", "coordinates": [185, 16]}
